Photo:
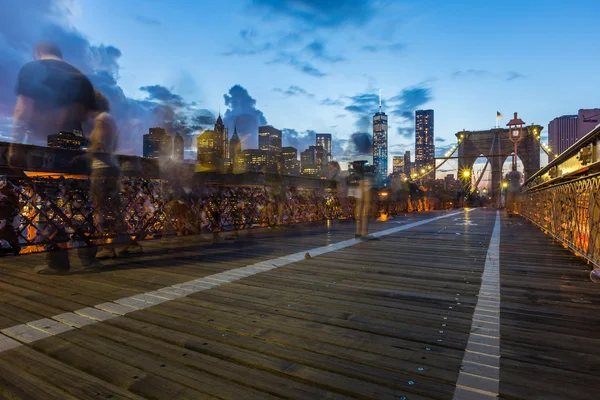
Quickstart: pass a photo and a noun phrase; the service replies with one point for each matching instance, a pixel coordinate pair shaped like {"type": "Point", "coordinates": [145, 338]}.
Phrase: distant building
{"type": "Point", "coordinates": [398, 165]}
{"type": "Point", "coordinates": [178, 147]}
{"type": "Point", "coordinates": [380, 145]}
{"type": "Point", "coordinates": [311, 161]}
{"type": "Point", "coordinates": [407, 163]}
{"type": "Point", "coordinates": [68, 140]}
{"type": "Point", "coordinates": [224, 135]}
{"type": "Point", "coordinates": [290, 162]}
{"type": "Point", "coordinates": [269, 139]}
{"type": "Point", "coordinates": [564, 131]}
{"type": "Point", "coordinates": [235, 153]}
{"type": "Point", "coordinates": [157, 144]}
{"type": "Point", "coordinates": [256, 160]}
{"type": "Point", "coordinates": [424, 136]}
{"type": "Point", "coordinates": [210, 151]}
{"type": "Point", "coordinates": [324, 140]}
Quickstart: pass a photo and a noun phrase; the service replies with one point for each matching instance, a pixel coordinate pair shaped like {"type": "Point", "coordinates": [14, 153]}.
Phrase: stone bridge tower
{"type": "Point", "coordinates": [495, 145]}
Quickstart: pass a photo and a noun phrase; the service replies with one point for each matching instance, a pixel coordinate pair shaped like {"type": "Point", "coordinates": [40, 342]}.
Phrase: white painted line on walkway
{"type": "Point", "coordinates": [479, 377]}
{"type": "Point", "coordinates": [43, 328]}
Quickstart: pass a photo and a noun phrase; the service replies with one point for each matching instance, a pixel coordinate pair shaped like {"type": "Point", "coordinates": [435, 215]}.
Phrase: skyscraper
{"type": "Point", "coordinates": [424, 146]}
{"type": "Point", "coordinates": [157, 143]}
{"type": "Point", "coordinates": [311, 160]}
{"type": "Point", "coordinates": [398, 165]}
{"type": "Point", "coordinates": [235, 151]}
{"type": "Point", "coordinates": [407, 165]}
{"type": "Point", "coordinates": [380, 144]}
{"type": "Point", "coordinates": [291, 165]}
{"type": "Point", "coordinates": [224, 134]}
{"type": "Point", "coordinates": [564, 131]}
{"type": "Point", "coordinates": [324, 140]}
{"type": "Point", "coordinates": [269, 138]}
{"type": "Point", "coordinates": [210, 151]}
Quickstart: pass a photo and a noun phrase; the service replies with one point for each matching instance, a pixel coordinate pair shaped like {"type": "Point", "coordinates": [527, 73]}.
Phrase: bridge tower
{"type": "Point", "coordinates": [495, 145]}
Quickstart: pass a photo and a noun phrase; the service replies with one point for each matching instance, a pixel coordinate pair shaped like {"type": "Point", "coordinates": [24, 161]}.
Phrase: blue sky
{"type": "Point", "coordinates": [317, 65]}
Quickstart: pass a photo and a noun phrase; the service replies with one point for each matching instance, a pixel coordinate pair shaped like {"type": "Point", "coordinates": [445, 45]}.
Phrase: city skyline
{"type": "Point", "coordinates": [303, 75]}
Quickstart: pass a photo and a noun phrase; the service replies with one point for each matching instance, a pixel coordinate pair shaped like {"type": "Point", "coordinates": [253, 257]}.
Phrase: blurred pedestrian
{"type": "Point", "coordinates": [105, 181]}
{"type": "Point", "coordinates": [52, 96]}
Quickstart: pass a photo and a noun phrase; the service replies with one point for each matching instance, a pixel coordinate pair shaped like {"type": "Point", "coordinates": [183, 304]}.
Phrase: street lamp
{"type": "Point", "coordinates": [466, 173]}
{"type": "Point", "coordinates": [504, 185]}
{"type": "Point", "coordinates": [515, 134]}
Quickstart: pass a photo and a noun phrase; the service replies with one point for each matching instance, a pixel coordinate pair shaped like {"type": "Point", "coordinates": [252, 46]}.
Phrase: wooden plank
{"type": "Point", "coordinates": [202, 340]}
{"type": "Point", "coordinates": [76, 383]}
{"type": "Point", "coordinates": [95, 363]}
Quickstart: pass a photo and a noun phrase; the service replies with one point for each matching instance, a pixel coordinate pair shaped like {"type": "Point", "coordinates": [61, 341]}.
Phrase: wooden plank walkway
{"type": "Point", "coordinates": [386, 319]}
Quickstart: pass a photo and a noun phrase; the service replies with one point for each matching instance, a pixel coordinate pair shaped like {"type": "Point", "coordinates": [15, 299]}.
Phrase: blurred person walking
{"type": "Point", "coordinates": [52, 96]}
{"type": "Point", "coordinates": [105, 181]}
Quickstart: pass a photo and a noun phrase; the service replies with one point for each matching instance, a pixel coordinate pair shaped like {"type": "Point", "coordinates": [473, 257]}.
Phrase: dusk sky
{"type": "Point", "coordinates": [317, 65]}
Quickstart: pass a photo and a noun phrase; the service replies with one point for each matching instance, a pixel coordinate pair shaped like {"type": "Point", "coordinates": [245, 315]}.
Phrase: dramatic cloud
{"type": "Point", "coordinates": [362, 142]}
{"type": "Point", "coordinates": [316, 49]}
{"type": "Point", "coordinates": [25, 23]}
{"type": "Point", "coordinates": [470, 73]}
{"type": "Point", "coordinates": [392, 48]}
{"type": "Point", "coordinates": [511, 76]}
{"type": "Point", "coordinates": [242, 112]}
{"type": "Point", "coordinates": [297, 63]}
{"type": "Point", "coordinates": [409, 100]}
{"type": "Point", "coordinates": [294, 91]}
{"type": "Point", "coordinates": [162, 94]}
{"type": "Point", "coordinates": [322, 13]}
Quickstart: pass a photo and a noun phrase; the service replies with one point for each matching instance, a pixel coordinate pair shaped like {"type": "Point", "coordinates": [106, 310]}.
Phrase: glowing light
{"type": "Point", "coordinates": [466, 173]}
{"type": "Point", "coordinates": [423, 170]}
{"type": "Point", "coordinates": [429, 167]}
{"type": "Point", "coordinates": [504, 185]}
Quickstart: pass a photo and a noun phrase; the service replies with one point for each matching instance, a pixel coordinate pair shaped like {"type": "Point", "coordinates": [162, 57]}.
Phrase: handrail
{"type": "Point", "coordinates": [572, 151]}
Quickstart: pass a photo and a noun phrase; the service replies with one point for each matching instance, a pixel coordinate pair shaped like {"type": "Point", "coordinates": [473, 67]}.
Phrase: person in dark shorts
{"type": "Point", "coordinates": [52, 96]}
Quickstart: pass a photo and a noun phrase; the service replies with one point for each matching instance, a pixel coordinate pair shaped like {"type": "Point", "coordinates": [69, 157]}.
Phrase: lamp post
{"type": "Point", "coordinates": [515, 132]}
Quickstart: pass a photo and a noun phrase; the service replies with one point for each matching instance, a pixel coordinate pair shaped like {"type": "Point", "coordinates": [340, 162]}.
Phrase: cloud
{"type": "Point", "coordinates": [362, 143]}
{"type": "Point", "coordinates": [294, 61]}
{"type": "Point", "coordinates": [162, 94]}
{"type": "Point", "coordinates": [242, 112]}
{"type": "Point", "coordinates": [330, 102]}
{"type": "Point", "coordinates": [299, 140]}
{"type": "Point", "coordinates": [406, 132]}
{"type": "Point", "coordinates": [341, 115]}
{"type": "Point", "coordinates": [316, 49]}
{"type": "Point", "coordinates": [363, 103]}
{"type": "Point", "coordinates": [249, 45]}
{"type": "Point", "coordinates": [100, 63]}
{"type": "Point", "coordinates": [392, 48]}
{"type": "Point", "coordinates": [321, 13]}
{"type": "Point", "coordinates": [511, 76]}
{"type": "Point", "coordinates": [470, 73]}
{"type": "Point", "coordinates": [440, 139]}
{"type": "Point", "coordinates": [440, 151]}
{"type": "Point", "coordinates": [294, 91]}
{"type": "Point", "coordinates": [409, 100]}
{"type": "Point", "coordinates": [147, 21]}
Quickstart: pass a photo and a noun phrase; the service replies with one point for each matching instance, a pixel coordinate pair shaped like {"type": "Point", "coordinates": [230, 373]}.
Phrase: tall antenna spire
{"type": "Point", "coordinates": [379, 100]}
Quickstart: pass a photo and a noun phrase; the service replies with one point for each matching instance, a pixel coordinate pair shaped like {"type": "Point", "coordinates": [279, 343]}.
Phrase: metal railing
{"type": "Point", "coordinates": [563, 198]}
{"type": "Point", "coordinates": [38, 213]}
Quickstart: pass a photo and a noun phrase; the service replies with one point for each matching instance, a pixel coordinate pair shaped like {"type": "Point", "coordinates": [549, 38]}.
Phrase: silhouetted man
{"type": "Point", "coordinates": [52, 96]}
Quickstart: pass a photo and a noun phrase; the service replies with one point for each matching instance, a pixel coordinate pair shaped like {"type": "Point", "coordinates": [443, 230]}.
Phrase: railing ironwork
{"type": "Point", "coordinates": [563, 198]}
{"type": "Point", "coordinates": [37, 213]}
